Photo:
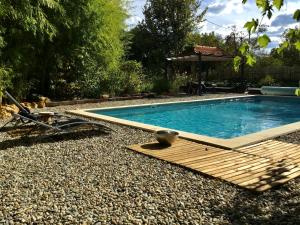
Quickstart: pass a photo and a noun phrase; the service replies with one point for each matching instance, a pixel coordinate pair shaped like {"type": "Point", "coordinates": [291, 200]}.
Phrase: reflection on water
{"type": "Point", "coordinates": [226, 118]}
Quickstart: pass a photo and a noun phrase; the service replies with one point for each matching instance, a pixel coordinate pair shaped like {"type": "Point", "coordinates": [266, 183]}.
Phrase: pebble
{"type": "Point", "coordinates": [87, 178]}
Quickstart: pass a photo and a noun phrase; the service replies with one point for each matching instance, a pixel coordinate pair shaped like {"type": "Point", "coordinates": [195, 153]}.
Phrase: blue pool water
{"type": "Point", "coordinates": [226, 118]}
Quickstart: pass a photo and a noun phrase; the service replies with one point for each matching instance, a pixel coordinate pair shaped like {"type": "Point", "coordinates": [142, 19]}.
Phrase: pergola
{"type": "Point", "coordinates": [200, 55]}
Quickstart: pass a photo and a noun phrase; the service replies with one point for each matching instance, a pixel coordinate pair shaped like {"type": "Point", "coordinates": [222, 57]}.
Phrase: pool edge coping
{"type": "Point", "coordinates": [231, 143]}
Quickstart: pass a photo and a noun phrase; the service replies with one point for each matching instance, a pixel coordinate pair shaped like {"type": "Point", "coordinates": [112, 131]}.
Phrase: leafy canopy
{"type": "Point", "coordinates": [165, 30]}
{"type": "Point", "coordinates": [21, 24]}
{"type": "Point", "coordinates": [52, 45]}
{"type": "Point", "coordinates": [266, 8]}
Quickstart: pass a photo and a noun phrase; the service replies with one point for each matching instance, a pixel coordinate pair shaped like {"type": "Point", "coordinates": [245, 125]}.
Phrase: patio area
{"type": "Point", "coordinates": [90, 178]}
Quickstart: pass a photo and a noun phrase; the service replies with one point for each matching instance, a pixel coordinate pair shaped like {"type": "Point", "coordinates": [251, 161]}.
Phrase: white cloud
{"type": "Point", "coordinates": [216, 8]}
{"type": "Point", "coordinates": [133, 20]}
{"type": "Point", "coordinates": [227, 7]}
{"type": "Point", "coordinates": [283, 20]}
{"type": "Point", "coordinates": [226, 13]}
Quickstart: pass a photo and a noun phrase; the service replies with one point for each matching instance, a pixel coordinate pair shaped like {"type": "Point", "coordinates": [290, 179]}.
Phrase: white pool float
{"type": "Point", "coordinates": [270, 90]}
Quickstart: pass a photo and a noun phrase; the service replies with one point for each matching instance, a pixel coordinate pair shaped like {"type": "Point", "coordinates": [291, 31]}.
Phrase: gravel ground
{"type": "Point", "coordinates": [91, 178]}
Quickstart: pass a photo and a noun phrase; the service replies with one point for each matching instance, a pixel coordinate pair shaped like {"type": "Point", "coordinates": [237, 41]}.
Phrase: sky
{"type": "Point", "coordinates": [223, 14]}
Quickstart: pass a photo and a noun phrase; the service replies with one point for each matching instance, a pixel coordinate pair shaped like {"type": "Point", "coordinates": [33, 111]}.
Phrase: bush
{"type": "Point", "coordinates": [5, 79]}
{"type": "Point", "coordinates": [268, 80]}
{"type": "Point", "coordinates": [147, 86]}
{"type": "Point", "coordinates": [160, 85]}
{"type": "Point", "coordinates": [126, 79]}
{"type": "Point", "coordinates": [179, 81]}
{"type": "Point", "coordinates": [61, 89]}
{"type": "Point", "coordinates": [131, 75]}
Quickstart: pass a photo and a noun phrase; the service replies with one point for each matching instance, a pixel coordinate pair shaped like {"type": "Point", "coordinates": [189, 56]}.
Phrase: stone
{"type": "Point", "coordinates": [7, 110]}
{"type": "Point", "coordinates": [105, 96]}
{"type": "Point", "coordinates": [34, 105]}
{"type": "Point", "coordinates": [41, 104]}
{"type": "Point", "coordinates": [81, 175]}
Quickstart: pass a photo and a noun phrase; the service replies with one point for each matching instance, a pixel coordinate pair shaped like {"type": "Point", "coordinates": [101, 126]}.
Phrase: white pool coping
{"type": "Point", "coordinates": [231, 143]}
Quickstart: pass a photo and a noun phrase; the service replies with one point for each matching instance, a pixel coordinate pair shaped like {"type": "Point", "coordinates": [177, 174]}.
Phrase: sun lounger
{"type": "Point", "coordinates": [59, 123]}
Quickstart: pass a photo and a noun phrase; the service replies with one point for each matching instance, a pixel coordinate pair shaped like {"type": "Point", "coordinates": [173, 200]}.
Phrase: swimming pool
{"type": "Point", "coordinates": [218, 118]}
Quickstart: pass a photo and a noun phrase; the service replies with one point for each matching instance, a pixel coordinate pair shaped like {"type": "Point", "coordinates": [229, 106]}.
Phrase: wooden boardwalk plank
{"type": "Point", "coordinates": [237, 168]}
{"type": "Point", "coordinates": [257, 167]}
{"type": "Point", "coordinates": [254, 169]}
{"type": "Point", "coordinates": [273, 151]}
{"type": "Point", "coordinates": [252, 176]}
{"type": "Point", "coordinates": [268, 151]}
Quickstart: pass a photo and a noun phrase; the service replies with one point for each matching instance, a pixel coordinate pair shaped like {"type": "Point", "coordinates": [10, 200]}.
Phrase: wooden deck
{"type": "Point", "coordinates": [257, 167]}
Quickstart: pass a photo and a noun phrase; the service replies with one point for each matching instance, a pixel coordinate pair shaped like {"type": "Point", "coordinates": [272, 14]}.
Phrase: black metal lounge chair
{"type": "Point", "coordinates": [59, 124]}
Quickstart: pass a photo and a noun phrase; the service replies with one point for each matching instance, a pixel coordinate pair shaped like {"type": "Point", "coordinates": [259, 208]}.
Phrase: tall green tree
{"type": "Point", "coordinates": [208, 39]}
{"type": "Point", "coordinates": [87, 51]}
{"type": "Point", "coordinates": [22, 25]}
{"type": "Point", "coordinates": [52, 45]}
{"type": "Point", "coordinates": [290, 56]}
{"type": "Point", "coordinates": [165, 30]}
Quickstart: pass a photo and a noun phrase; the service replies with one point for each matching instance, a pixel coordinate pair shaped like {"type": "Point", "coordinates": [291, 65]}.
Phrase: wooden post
{"type": "Point", "coordinates": [193, 69]}
{"type": "Point", "coordinates": [206, 76]}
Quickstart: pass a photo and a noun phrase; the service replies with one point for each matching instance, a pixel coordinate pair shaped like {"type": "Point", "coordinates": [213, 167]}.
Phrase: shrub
{"type": "Point", "coordinates": [131, 75]}
{"type": "Point", "coordinates": [147, 86]}
{"type": "Point", "coordinates": [5, 80]}
{"type": "Point", "coordinates": [160, 85]}
{"type": "Point", "coordinates": [268, 80]}
{"type": "Point", "coordinates": [179, 81]}
{"type": "Point", "coordinates": [126, 79]}
{"type": "Point", "coordinates": [61, 89]}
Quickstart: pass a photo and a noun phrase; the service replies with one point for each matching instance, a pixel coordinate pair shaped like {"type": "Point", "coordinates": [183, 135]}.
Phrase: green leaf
{"type": "Point", "coordinates": [261, 4]}
{"type": "Point", "coordinates": [244, 48]}
{"type": "Point", "coordinates": [251, 25]}
{"type": "Point", "coordinates": [265, 6]}
{"type": "Point", "coordinates": [297, 45]}
{"type": "Point", "coordinates": [244, 1]}
{"type": "Point", "coordinates": [297, 15]}
{"type": "Point", "coordinates": [250, 59]}
{"type": "Point", "coordinates": [283, 46]}
{"type": "Point", "coordinates": [269, 14]}
{"type": "Point", "coordinates": [2, 42]}
{"type": "Point", "coordinates": [291, 34]}
{"type": "Point", "coordinates": [236, 63]}
{"type": "Point", "coordinates": [278, 3]}
{"type": "Point", "coordinates": [263, 41]}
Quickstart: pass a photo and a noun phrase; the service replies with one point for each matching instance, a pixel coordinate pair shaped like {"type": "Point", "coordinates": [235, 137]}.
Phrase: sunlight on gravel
{"type": "Point", "coordinates": [91, 178]}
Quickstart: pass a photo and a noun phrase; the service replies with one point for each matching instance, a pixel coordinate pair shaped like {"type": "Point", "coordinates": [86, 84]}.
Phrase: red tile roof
{"type": "Point", "coordinates": [207, 50]}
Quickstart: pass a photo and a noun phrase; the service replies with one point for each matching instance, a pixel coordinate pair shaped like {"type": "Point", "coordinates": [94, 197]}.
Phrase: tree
{"type": "Point", "coordinates": [208, 39]}
{"type": "Point", "coordinates": [23, 23]}
{"type": "Point", "coordinates": [266, 8]}
{"type": "Point", "coordinates": [60, 44]}
{"type": "Point", "coordinates": [290, 56]}
{"type": "Point", "coordinates": [141, 47]}
{"type": "Point", "coordinates": [166, 28]}
{"type": "Point", "coordinates": [95, 47]}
